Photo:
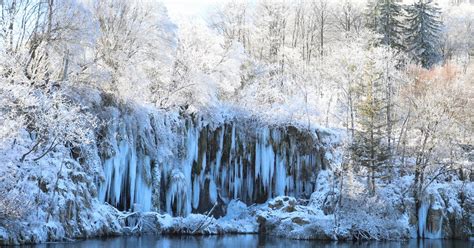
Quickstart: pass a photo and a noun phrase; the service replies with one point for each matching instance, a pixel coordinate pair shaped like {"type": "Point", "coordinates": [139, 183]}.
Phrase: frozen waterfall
{"type": "Point", "coordinates": [206, 165]}
{"type": "Point", "coordinates": [433, 231]}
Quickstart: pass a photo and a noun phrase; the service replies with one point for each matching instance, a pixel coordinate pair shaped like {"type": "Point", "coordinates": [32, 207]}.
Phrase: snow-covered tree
{"type": "Point", "coordinates": [205, 69]}
{"type": "Point", "coordinates": [321, 12]}
{"type": "Point", "coordinates": [456, 40]}
{"type": "Point", "coordinates": [233, 21]}
{"type": "Point", "coordinates": [369, 145]}
{"type": "Point", "coordinates": [134, 47]}
{"type": "Point", "coordinates": [437, 104]}
{"type": "Point", "coordinates": [50, 120]}
{"type": "Point", "coordinates": [40, 37]}
{"type": "Point", "coordinates": [348, 16]}
{"type": "Point", "coordinates": [423, 33]}
{"type": "Point", "coordinates": [388, 23]}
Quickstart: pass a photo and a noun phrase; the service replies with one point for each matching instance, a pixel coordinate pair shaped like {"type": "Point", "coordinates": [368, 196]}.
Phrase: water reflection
{"type": "Point", "coordinates": [245, 241]}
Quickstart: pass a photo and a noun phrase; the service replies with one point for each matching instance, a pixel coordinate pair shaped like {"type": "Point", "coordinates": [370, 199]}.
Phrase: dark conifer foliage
{"type": "Point", "coordinates": [423, 27]}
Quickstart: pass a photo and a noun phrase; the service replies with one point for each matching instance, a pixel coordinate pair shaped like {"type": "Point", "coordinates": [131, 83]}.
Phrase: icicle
{"type": "Point", "coordinates": [280, 177]}
{"type": "Point", "coordinates": [258, 159]}
{"type": "Point", "coordinates": [422, 218]}
{"type": "Point", "coordinates": [192, 145]}
{"type": "Point", "coordinates": [133, 176]}
{"type": "Point", "coordinates": [143, 190]}
{"type": "Point", "coordinates": [249, 180]}
{"type": "Point", "coordinates": [196, 192]}
{"type": "Point", "coordinates": [212, 191]}
{"type": "Point", "coordinates": [120, 162]}
{"type": "Point", "coordinates": [224, 179]}
{"type": "Point", "coordinates": [236, 181]}
{"type": "Point", "coordinates": [129, 169]}
{"type": "Point", "coordinates": [232, 146]}
{"type": "Point", "coordinates": [108, 173]}
{"type": "Point", "coordinates": [177, 194]}
{"type": "Point", "coordinates": [215, 170]}
{"type": "Point", "coordinates": [267, 162]}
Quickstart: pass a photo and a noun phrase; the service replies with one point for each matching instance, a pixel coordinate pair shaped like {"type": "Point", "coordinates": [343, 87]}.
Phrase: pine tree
{"type": "Point", "coordinates": [389, 24]}
{"type": "Point", "coordinates": [371, 15]}
{"type": "Point", "coordinates": [384, 18]}
{"type": "Point", "coordinates": [423, 32]}
{"type": "Point", "coordinates": [369, 146]}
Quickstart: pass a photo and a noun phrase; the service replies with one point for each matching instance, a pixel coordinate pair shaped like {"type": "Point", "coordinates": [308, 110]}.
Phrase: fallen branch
{"type": "Point", "coordinates": [205, 219]}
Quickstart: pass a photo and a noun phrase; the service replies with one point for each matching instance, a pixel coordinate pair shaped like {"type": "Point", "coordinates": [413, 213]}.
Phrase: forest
{"type": "Point", "coordinates": [304, 119]}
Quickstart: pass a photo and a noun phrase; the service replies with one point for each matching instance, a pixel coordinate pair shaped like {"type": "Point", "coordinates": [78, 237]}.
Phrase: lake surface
{"type": "Point", "coordinates": [166, 241]}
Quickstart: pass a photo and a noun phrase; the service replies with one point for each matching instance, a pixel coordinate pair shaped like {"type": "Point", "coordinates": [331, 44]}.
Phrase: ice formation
{"type": "Point", "coordinates": [249, 162]}
{"type": "Point", "coordinates": [426, 231]}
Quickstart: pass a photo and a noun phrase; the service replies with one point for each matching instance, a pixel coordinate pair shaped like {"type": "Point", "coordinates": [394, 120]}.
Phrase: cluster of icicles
{"type": "Point", "coordinates": [426, 231]}
{"type": "Point", "coordinates": [227, 162]}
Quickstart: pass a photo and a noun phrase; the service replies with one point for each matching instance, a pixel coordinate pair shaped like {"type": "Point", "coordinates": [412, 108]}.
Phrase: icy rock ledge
{"type": "Point", "coordinates": [284, 217]}
{"type": "Point", "coordinates": [240, 219]}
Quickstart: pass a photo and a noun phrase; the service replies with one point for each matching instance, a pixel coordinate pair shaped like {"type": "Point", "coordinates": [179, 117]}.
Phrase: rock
{"type": "Point", "coordinates": [284, 203]}
{"type": "Point", "coordinates": [262, 221]}
{"type": "Point", "coordinates": [276, 204]}
{"type": "Point", "coordinates": [434, 220]}
{"type": "Point", "coordinates": [77, 177]}
{"type": "Point", "coordinates": [330, 203]}
{"type": "Point", "coordinates": [291, 205]}
{"type": "Point", "coordinates": [300, 221]}
{"type": "Point", "coordinates": [3, 236]}
{"type": "Point", "coordinates": [320, 232]}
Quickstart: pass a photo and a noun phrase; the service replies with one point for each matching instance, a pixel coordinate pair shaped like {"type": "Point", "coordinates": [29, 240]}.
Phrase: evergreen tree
{"type": "Point", "coordinates": [384, 18]}
{"type": "Point", "coordinates": [369, 146]}
{"type": "Point", "coordinates": [371, 15]}
{"type": "Point", "coordinates": [389, 24]}
{"type": "Point", "coordinates": [423, 32]}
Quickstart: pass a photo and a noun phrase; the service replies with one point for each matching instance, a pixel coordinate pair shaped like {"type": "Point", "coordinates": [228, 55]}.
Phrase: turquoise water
{"type": "Point", "coordinates": [244, 241]}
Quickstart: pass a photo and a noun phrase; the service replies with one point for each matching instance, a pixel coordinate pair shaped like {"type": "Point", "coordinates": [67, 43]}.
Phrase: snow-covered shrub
{"type": "Point", "coordinates": [48, 118]}
{"type": "Point", "coordinates": [14, 201]}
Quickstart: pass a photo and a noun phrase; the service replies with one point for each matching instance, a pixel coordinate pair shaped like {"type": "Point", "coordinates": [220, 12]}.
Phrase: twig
{"type": "Point", "coordinates": [51, 147]}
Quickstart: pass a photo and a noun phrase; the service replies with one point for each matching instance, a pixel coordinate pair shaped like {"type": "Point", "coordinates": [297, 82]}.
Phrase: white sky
{"type": "Point", "coordinates": [188, 8]}
{"type": "Point", "coordinates": [198, 8]}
